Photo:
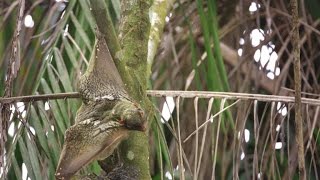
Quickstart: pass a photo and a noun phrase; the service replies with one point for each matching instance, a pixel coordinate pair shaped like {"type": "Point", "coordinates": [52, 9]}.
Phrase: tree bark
{"type": "Point", "coordinates": [131, 60]}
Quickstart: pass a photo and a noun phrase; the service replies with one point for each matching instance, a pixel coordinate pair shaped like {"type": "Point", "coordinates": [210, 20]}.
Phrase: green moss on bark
{"type": "Point", "coordinates": [133, 39]}
{"type": "Point", "coordinates": [134, 35]}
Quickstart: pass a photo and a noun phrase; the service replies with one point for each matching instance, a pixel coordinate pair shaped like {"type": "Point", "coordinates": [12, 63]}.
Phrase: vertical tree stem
{"type": "Point", "coordinates": [134, 32]}
{"type": "Point", "coordinates": [101, 14]}
{"type": "Point", "coordinates": [11, 74]}
{"type": "Point", "coordinates": [297, 83]}
{"type": "Point", "coordinates": [130, 55]}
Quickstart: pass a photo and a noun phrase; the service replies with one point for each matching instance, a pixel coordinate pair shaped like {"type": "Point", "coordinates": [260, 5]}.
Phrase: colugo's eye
{"type": "Point", "coordinates": [141, 112]}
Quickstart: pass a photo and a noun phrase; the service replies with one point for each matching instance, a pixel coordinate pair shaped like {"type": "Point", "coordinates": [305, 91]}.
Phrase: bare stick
{"type": "Point", "coordinates": [183, 94]}
{"type": "Point", "coordinates": [231, 95]}
{"type": "Point", "coordinates": [11, 74]}
{"type": "Point", "coordinates": [40, 97]}
{"type": "Point", "coordinates": [297, 86]}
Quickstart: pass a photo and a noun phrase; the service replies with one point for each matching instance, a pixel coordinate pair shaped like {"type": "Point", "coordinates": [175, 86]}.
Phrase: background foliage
{"type": "Point", "coordinates": [205, 45]}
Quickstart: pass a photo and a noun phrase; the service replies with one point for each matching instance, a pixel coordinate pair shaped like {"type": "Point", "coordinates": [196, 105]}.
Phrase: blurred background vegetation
{"type": "Point", "coordinates": [237, 45]}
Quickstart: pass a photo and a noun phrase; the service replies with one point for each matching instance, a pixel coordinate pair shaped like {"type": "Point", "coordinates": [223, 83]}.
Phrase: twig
{"type": "Point", "coordinates": [41, 97]}
{"type": "Point", "coordinates": [304, 93]}
{"type": "Point", "coordinates": [159, 11]}
{"type": "Point", "coordinates": [297, 86]}
{"type": "Point", "coordinates": [104, 22]}
{"type": "Point", "coordinates": [204, 135]}
{"type": "Point", "coordinates": [231, 95]}
{"type": "Point", "coordinates": [217, 139]}
{"type": "Point", "coordinates": [77, 47]}
{"type": "Point", "coordinates": [180, 159]}
{"type": "Point", "coordinates": [183, 94]}
{"type": "Point", "coordinates": [195, 103]}
{"type": "Point", "coordinates": [298, 20]}
{"type": "Point", "coordinates": [11, 74]}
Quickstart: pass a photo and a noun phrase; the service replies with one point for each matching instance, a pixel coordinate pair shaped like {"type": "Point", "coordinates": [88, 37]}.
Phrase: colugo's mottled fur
{"type": "Point", "coordinates": [104, 118]}
{"type": "Point", "coordinates": [102, 79]}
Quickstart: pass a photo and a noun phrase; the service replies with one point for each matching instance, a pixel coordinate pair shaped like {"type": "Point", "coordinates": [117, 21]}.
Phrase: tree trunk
{"type": "Point", "coordinates": [130, 56]}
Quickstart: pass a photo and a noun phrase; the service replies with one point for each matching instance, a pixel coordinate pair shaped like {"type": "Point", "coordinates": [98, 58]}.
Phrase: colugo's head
{"type": "Point", "coordinates": [87, 141]}
{"type": "Point", "coordinates": [130, 114]}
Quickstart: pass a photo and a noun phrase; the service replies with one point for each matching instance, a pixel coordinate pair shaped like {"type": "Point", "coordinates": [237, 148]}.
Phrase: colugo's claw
{"type": "Point", "coordinates": [85, 142]}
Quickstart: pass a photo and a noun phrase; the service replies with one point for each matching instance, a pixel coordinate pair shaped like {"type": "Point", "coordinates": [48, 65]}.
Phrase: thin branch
{"type": "Point", "coordinates": [11, 74]}
{"type": "Point", "coordinates": [298, 20]}
{"type": "Point", "coordinates": [77, 47]}
{"type": "Point", "coordinates": [159, 11]}
{"type": "Point", "coordinates": [105, 25]}
{"type": "Point", "coordinates": [183, 94]}
{"type": "Point", "coordinates": [231, 95]}
{"type": "Point", "coordinates": [297, 86]}
{"type": "Point", "coordinates": [104, 22]}
{"type": "Point", "coordinates": [180, 159]}
{"type": "Point", "coordinates": [40, 97]}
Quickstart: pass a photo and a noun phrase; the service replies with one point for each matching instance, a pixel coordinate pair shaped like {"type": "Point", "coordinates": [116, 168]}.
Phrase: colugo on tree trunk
{"type": "Point", "coordinates": [105, 117]}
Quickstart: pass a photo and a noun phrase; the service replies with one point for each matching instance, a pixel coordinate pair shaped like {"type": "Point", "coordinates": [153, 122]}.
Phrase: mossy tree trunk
{"type": "Point", "coordinates": [129, 51]}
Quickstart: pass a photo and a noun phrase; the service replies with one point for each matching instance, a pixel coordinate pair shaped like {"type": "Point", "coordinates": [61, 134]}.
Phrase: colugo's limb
{"type": "Point", "coordinates": [102, 79]}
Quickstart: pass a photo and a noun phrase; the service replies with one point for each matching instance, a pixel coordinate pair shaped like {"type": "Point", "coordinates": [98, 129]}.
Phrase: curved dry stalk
{"type": "Point", "coordinates": [210, 119]}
